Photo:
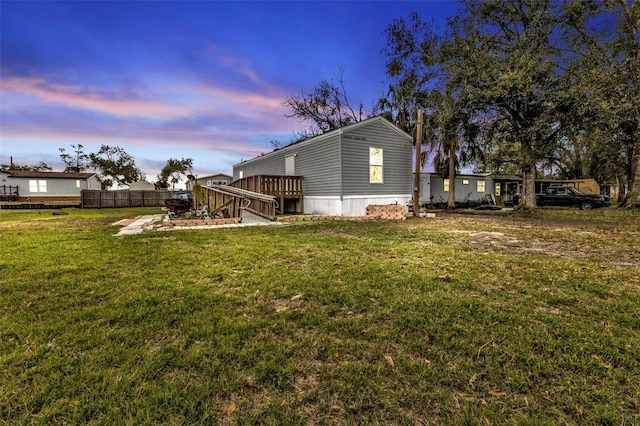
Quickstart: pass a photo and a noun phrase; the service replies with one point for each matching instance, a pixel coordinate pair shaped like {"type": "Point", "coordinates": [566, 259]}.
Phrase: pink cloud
{"type": "Point", "coordinates": [77, 97]}
{"type": "Point", "coordinates": [262, 111]}
{"type": "Point", "coordinates": [211, 141]}
{"type": "Point", "coordinates": [240, 65]}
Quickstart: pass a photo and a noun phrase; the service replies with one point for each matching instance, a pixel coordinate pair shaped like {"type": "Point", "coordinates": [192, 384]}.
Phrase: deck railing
{"type": "Point", "coordinates": [281, 187]}
{"type": "Point", "coordinates": [9, 193]}
{"type": "Point", "coordinates": [222, 203]}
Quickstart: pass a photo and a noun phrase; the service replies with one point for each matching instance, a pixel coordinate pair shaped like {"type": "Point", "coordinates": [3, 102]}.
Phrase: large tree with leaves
{"type": "Point", "coordinates": [77, 162]}
{"type": "Point", "coordinates": [619, 72]}
{"type": "Point", "coordinates": [606, 69]}
{"type": "Point", "coordinates": [173, 171]}
{"type": "Point", "coordinates": [510, 57]}
{"type": "Point", "coordinates": [39, 167]}
{"type": "Point", "coordinates": [115, 166]}
{"type": "Point", "coordinates": [419, 63]}
{"type": "Point", "coordinates": [627, 43]}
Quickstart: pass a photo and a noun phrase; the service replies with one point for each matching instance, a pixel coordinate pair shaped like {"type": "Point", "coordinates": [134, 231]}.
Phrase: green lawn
{"type": "Point", "coordinates": [452, 320]}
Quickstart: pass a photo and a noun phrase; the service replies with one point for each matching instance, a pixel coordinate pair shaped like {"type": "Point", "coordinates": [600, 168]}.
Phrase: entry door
{"type": "Point", "coordinates": [290, 165]}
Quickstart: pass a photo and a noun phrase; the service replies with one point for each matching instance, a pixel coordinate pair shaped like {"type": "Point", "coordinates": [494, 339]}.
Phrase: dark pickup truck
{"type": "Point", "coordinates": [570, 197]}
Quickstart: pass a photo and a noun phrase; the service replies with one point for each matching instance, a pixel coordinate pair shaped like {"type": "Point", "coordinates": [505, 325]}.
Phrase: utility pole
{"type": "Point", "coordinates": [416, 178]}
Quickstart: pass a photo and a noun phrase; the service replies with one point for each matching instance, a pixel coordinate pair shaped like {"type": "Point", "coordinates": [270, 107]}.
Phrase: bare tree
{"type": "Point", "coordinates": [326, 108]}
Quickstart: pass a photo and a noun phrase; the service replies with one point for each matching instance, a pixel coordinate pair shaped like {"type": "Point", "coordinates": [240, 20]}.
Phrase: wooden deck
{"type": "Point", "coordinates": [286, 189]}
{"type": "Point", "coordinates": [9, 193]}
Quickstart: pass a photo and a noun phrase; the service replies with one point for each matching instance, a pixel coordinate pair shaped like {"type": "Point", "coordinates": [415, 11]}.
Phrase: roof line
{"type": "Point", "coordinates": [334, 132]}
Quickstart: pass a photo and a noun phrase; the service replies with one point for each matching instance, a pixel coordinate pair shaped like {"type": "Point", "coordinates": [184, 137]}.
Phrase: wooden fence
{"type": "Point", "coordinates": [124, 198]}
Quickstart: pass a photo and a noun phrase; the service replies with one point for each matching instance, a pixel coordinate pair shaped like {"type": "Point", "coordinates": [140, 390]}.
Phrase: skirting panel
{"type": "Point", "coordinates": [357, 206]}
{"type": "Point", "coordinates": [323, 205]}
{"type": "Point", "coordinates": [351, 205]}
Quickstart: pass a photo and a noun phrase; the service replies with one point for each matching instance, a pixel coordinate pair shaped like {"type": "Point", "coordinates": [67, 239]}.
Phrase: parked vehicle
{"type": "Point", "coordinates": [569, 197]}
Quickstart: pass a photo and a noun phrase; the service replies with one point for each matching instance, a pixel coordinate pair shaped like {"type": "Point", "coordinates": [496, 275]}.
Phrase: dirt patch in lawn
{"type": "Point", "coordinates": [504, 242]}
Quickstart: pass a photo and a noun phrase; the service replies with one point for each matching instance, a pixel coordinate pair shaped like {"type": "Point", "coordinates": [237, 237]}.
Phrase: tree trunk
{"type": "Point", "coordinates": [622, 188]}
{"type": "Point", "coordinates": [528, 200]}
{"type": "Point", "coordinates": [451, 201]}
{"type": "Point", "coordinates": [631, 29]}
{"type": "Point", "coordinates": [633, 193]}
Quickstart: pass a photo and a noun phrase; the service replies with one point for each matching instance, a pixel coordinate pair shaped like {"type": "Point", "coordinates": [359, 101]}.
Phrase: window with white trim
{"type": "Point", "coordinates": [376, 174]}
{"type": "Point", "coordinates": [446, 185]}
{"type": "Point", "coordinates": [481, 186]}
{"type": "Point", "coordinates": [37, 186]}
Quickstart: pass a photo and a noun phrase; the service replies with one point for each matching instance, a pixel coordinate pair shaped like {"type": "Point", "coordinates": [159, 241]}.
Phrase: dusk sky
{"type": "Point", "coordinates": [201, 80]}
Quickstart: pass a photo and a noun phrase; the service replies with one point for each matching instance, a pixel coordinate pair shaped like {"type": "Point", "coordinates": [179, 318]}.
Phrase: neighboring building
{"type": "Point", "coordinates": [212, 180]}
{"type": "Point", "coordinates": [142, 185]}
{"type": "Point", "coordinates": [469, 188]}
{"type": "Point", "coordinates": [48, 186]}
{"type": "Point", "coordinates": [474, 188]}
{"type": "Point", "coordinates": [344, 170]}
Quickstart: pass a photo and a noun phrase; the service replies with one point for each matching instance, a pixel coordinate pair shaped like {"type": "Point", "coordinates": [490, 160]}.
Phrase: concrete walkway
{"type": "Point", "coordinates": [155, 222]}
{"type": "Point", "coordinates": [139, 224]}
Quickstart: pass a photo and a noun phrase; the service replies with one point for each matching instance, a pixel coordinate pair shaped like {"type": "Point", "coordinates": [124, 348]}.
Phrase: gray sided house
{"type": "Point", "coordinates": [469, 188]}
{"type": "Point", "coordinates": [473, 188]}
{"type": "Point", "coordinates": [346, 169]}
{"type": "Point", "coordinates": [47, 186]}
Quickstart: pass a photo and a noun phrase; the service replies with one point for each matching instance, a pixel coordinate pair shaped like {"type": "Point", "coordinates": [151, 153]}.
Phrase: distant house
{"type": "Point", "coordinates": [474, 188]}
{"type": "Point", "coordinates": [142, 185]}
{"type": "Point", "coordinates": [211, 180]}
{"type": "Point", "coordinates": [434, 189]}
{"type": "Point", "coordinates": [48, 186]}
{"type": "Point", "coordinates": [344, 170]}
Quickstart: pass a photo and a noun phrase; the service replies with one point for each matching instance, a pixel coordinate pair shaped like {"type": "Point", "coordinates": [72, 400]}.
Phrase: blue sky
{"type": "Point", "coordinates": [204, 80]}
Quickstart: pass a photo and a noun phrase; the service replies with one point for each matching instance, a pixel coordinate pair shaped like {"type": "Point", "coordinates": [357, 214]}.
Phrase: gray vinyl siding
{"type": "Point", "coordinates": [464, 193]}
{"type": "Point", "coordinates": [319, 164]}
{"type": "Point", "coordinates": [336, 164]}
{"type": "Point", "coordinates": [270, 164]}
{"type": "Point", "coordinates": [397, 161]}
{"type": "Point", "coordinates": [318, 161]}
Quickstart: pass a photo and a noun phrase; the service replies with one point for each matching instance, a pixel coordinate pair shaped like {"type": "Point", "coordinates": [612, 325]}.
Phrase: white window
{"type": "Point", "coordinates": [241, 174]}
{"type": "Point", "coordinates": [465, 181]}
{"type": "Point", "coordinates": [481, 186]}
{"type": "Point", "coordinates": [37, 186]}
{"type": "Point", "coordinates": [446, 185]}
{"type": "Point", "coordinates": [209, 182]}
{"type": "Point", "coordinates": [376, 174]}
{"type": "Point", "coordinates": [77, 183]}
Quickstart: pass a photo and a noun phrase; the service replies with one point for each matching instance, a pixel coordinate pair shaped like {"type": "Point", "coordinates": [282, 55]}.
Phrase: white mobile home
{"type": "Point", "coordinates": [48, 186]}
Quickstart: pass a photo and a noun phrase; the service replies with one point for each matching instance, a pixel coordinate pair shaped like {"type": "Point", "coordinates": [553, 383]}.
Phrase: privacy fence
{"type": "Point", "coordinates": [124, 198]}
